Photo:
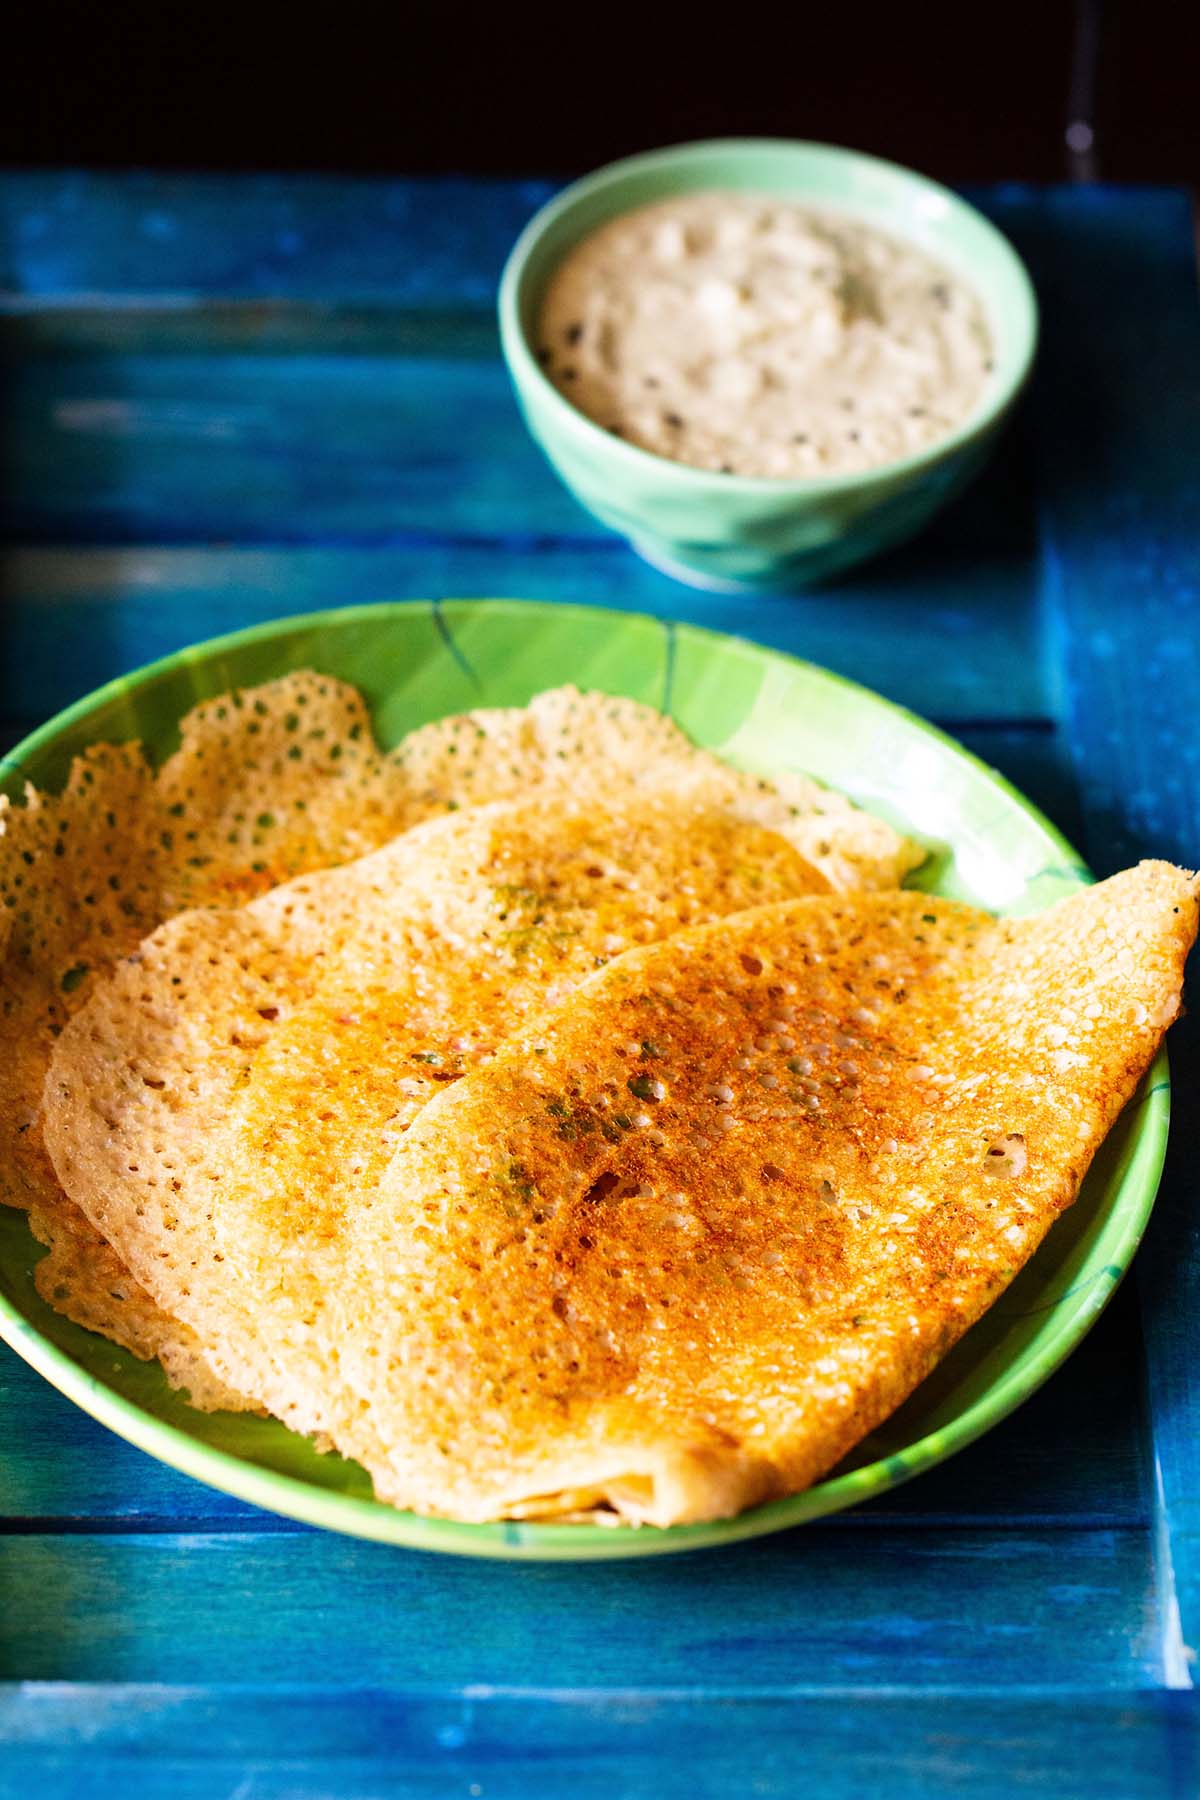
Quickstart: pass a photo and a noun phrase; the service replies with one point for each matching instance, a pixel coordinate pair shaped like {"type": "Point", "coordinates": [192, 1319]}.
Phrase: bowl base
{"type": "Point", "coordinates": [697, 578]}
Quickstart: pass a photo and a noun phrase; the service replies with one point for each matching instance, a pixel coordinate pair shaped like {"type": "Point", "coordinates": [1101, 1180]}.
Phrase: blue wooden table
{"type": "Point", "coordinates": [225, 401]}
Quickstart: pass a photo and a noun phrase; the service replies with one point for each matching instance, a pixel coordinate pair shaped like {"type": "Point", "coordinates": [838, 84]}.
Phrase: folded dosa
{"type": "Point", "coordinates": [842, 1125]}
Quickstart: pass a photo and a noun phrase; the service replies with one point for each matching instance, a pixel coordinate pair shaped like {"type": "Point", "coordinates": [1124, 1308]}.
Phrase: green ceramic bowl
{"type": "Point", "coordinates": [728, 531]}
{"type": "Point", "coordinates": [767, 712]}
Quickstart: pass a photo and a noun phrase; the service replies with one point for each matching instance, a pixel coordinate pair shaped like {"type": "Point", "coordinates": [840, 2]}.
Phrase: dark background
{"type": "Point", "coordinates": [965, 91]}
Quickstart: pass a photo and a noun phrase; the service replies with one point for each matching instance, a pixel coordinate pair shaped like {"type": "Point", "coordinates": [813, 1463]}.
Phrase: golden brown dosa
{"type": "Point", "coordinates": [842, 1125]}
{"type": "Point", "coordinates": [267, 783]}
{"type": "Point", "coordinates": [240, 1082]}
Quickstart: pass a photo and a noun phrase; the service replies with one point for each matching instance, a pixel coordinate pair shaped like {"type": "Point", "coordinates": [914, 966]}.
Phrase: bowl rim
{"type": "Point", "coordinates": [527, 373]}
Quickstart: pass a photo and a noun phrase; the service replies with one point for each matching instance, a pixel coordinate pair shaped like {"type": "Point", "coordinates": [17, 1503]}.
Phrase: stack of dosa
{"type": "Point", "coordinates": [544, 1113]}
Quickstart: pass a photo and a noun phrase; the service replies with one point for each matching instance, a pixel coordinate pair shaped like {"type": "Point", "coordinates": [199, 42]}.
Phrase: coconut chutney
{"type": "Point", "coordinates": [752, 335]}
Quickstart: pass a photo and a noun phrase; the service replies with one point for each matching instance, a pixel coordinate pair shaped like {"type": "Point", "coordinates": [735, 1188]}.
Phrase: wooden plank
{"type": "Point", "coordinates": [416, 433]}
{"type": "Point", "coordinates": [162, 326]}
{"type": "Point", "coordinates": [312, 447]}
{"type": "Point", "coordinates": [809, 1609]}
{"type": "Point", "coordinates": [113, 239]}
{"type": "Point", "coordinates": [109, 237]}
{"type": "Point", "coordinates": [1120, 412]}
{"type": "Point", "coordinates": [1071, 1456]}
{"type": "Point", "coordinates": [1119, 472]}
{"type": "Point", "coordinates": [281, 1744]}
{"type": "Point", "coordinates": [73, 618]}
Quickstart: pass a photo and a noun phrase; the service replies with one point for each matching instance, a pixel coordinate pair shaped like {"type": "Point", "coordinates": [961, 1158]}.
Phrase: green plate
{"type": "Point", "coordinates": [417, 661]}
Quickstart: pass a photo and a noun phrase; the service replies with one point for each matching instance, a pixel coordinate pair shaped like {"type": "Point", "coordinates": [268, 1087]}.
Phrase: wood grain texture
{"type": "Point", "coordinates": [175, 240]}
{"type": "Point", "coordinates": [1121, 412]}
{"type": "Point", "coordinates": [73, 618]}
{"type": "Point", "coordinates": [173, 1744]}
{"type": "Point", "coordinates": [811, 1609]}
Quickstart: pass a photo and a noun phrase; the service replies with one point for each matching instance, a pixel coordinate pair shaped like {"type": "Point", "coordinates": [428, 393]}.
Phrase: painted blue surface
{"type": "Point", "coordinates": [228, 400]}
{"type": "Point", "coordinates": [591, 1745]}
{"type": "Point", "coordinates": [106, 242]}
{"type": "Point", "coordinates": [821, 1608]}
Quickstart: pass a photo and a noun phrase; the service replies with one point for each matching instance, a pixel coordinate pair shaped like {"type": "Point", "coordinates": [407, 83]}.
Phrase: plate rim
{"type": "Point", "coordinates": [292, 1496]}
